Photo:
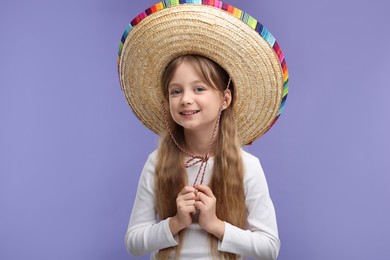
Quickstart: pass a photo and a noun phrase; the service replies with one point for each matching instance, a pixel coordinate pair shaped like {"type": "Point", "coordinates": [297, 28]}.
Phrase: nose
{"type": "Point", "coordinates": [187, 98]}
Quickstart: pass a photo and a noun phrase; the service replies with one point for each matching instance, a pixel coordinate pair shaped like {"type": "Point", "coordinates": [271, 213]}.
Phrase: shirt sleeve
{"type": "Point", "coordinates": [261, 240]}
{"type": "Point", "coordinates": [145, 233]}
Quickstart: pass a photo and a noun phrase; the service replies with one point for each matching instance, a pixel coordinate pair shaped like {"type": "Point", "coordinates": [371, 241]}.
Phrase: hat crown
{"type": "Point", "coordinates": [220, 32]}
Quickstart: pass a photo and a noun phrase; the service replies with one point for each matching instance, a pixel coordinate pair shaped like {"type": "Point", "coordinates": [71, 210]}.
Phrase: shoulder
{"type": "Point", "coordinates": [152, 158]}
{"type": "Point", "coordinates": [249, 160]}
{"type": "Point", "coordinates": [253, 171]}
{"type": "Point", "coordinates": [248, 156]}
{"type": "Point", "coordinates": [150, 164]}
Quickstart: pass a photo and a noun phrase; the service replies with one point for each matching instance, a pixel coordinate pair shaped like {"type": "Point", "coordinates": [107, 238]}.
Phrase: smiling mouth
{"type": "Point", "coordinates": [189, 113]}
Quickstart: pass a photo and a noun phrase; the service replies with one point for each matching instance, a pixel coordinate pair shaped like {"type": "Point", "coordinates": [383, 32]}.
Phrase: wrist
{"type": "Point", "coordinates": [218, 229]}
{"type": "Point", "coordinates": [174, 225]}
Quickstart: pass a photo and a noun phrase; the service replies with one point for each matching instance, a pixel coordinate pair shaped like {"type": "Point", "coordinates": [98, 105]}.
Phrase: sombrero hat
{"type": "Point", "coordinates": [215, 30]}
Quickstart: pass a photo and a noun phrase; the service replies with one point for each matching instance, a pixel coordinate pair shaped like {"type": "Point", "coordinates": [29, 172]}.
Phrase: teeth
{"type": "Point", "coordinates": [189, 113]}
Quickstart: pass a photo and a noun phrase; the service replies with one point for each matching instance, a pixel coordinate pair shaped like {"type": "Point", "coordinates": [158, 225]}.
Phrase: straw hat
{"type": "Point", "coordinates": [218, 31]}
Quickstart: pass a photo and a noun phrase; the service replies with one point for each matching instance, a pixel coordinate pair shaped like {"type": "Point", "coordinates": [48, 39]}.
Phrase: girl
{"type": "Point", "coordinates": [207, 78]}
{"type": "Point", "coordinates": [199, 221]}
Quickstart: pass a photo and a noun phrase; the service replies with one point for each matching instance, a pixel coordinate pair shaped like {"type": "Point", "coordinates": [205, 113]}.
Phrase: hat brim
{"type": "Point", "coordinates": [246, 50]}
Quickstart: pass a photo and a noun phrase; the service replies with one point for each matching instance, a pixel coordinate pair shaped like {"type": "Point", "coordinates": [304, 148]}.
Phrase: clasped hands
{"type": "Point", "coordinates": [188, 202]}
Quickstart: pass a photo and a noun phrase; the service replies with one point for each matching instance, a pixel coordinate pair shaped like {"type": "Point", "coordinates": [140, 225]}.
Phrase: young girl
{"type": "Point", "coordinates": [200, 196]}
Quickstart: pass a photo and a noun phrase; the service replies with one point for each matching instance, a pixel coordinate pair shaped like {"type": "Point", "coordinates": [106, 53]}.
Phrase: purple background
{"type": "Point", "coordinates": [71, 150]}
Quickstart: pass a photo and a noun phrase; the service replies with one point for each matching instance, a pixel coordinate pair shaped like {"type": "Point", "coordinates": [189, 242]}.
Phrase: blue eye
{"type": "Point", "coordinates": [174, 92]}
{"type": "Point", "coordinates": [200, 89]}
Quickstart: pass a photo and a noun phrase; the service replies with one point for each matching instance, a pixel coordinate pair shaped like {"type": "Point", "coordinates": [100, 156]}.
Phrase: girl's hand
{"type": "Point", "coordinates": [185, 203]}
{"type": "Point", "coordinates": [208, 220]}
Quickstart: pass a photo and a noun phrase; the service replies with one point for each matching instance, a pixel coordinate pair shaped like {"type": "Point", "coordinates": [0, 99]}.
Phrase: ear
{"type": "Point", "coordinates": [228, 99]}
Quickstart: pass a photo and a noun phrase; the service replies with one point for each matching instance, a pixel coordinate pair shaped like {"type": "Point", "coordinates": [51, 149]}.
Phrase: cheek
{"type": "Point", "coordinates": [172, 108]}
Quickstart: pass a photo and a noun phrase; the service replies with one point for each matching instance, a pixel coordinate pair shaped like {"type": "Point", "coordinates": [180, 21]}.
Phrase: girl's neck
{"type": "Point", "coordinates": [197, 143]}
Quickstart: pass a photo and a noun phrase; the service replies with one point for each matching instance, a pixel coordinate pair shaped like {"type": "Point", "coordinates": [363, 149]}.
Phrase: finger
{"type": "Point", "coordinates": [200, 205]}
{"type": "Point", "coordinates": [185, 202]}
{"type": "Point", "coordinates": [188, 209]}
{"type": "Point", "coordinates": [192, 209]}
{"type": "Point", "coordinates": [203, 198]}
{"type": "Point", "coordinates": [183, 205]}
{"type": "Point", "coordinates": [187, 189]}
{"type": "Point", "coordinates": [187, 196]}
{"type": "Point", "coordinates": [205, 189]}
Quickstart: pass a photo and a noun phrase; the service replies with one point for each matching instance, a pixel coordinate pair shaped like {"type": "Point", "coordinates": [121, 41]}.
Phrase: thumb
{"type": "Point", "coordinates": [199, 205]}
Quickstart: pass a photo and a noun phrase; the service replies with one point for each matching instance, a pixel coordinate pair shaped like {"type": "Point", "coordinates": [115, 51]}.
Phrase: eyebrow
{"type": "Point", "coordinates": [174, 84]}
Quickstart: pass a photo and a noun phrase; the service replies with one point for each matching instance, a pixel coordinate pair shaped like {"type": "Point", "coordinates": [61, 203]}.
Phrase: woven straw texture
{"type": "Point", "coordinates": [163, 33]}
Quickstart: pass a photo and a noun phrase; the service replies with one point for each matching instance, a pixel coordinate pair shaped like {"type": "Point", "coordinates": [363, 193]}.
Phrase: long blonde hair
{"type": "Point", "coordinates": [227, 175]}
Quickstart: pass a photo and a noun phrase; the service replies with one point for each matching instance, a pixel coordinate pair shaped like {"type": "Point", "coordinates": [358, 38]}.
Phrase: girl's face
{"type": "Point", "coordinates": [193, 104]}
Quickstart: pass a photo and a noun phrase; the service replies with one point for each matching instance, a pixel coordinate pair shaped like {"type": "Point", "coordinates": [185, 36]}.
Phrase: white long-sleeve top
{"type": "Point", "coordinates": [146, 234]}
